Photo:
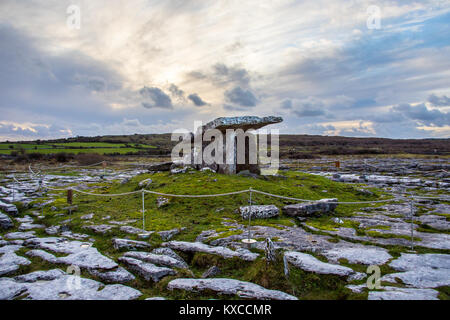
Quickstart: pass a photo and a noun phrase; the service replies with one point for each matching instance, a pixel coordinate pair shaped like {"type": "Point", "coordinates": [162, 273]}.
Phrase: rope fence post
{"type": "Point", "coordinates": [143, 210]}
{"type": "Point", "coordinates": [411, 208]}
{"type": "Point", "coordinates": [250, 216]}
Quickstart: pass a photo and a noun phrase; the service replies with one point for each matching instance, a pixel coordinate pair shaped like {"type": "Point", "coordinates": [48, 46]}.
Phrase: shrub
{"type": "Point", "coordinates": [89, 158]}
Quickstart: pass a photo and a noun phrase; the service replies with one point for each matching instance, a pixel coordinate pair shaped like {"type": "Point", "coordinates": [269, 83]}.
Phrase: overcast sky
{"type": "Point", "coordinates": [141, 66]}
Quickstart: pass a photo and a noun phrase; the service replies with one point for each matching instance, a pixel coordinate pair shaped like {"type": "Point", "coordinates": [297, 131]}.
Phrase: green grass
{"type": "Point", "coordinates": [199, 214]}
{"type": "Point", "coordinates": [74, 147]}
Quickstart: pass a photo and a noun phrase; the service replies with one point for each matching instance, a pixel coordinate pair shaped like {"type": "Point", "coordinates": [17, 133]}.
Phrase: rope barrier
{"type": "Point", "coordinates": [234, 193]}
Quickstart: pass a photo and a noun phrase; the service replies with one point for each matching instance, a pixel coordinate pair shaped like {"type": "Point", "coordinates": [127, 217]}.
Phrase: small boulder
{"type": "Point", "coordinates": [259, 212]}
{"type": "Point", "coordinates": [164, 166]}
{"type": "Point", "coordinates": [5, 222]}
{"type": "Point", "coordinates": [308, 209]}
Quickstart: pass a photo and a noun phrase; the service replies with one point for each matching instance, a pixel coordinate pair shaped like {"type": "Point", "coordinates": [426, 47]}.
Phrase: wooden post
{"type": "Point", "coordinates": [337, 164]}
{"type": "Point", "coordinates": [69, 196]}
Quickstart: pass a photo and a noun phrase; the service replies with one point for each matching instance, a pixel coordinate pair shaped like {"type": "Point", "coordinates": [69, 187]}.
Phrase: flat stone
{"type": "Point", "coordinates": [221, 251]}
{"type": "Point", "coordinates": [81, 254]}
{"type": "Point", "coordinates": [133, 230]}
{"type": "Point", "coordinates": [259, 211]}
{"type": "Point", "coordinates": [434, 221]}
{"type": "Point", "coordinates": [158, 259]}
{"type": "Point", "coordinates": [101, 228]}
{"type": "Point", "coordinates": [69, 287]}
{"type": "Point", "coordinates": [118, 275]}
{"type": "Point", "coordinates": [127, 244]}
{"type": "Point", "coordinates": [53, 230]}
{"type": "Point", "coordinates": [225, 286]}
{"type": "Point", "coordinates": [323, 206]}
{"type": "Point", "coordinates": [394, 293]}
{"type": "Point", "coordinates": [168, 252]}
{"type": "Point", "coordinates": [29, 226]}
{"type": "Point", "coordinates": [360, 255]}
{"type": "Point", "coordinates": [20, 235]}
{"type": "Point", "coordinates": [244, 123]}
{"type": "Point", "coordinates": [421, 270]}
{"type": "Point", "coordinates": [44, 255]}
{"type": "Point", "coordinates": [87, 216]}
{"type": "Point", "coordinates": [25, 219]}
{"type": "Point", "coordinates": [156, 298]}
{"type": "Point", "coordinates": [10, 261]}
{"type": "Point", "coordinates": [309, 263]}
{"type": "Point", "coordinates": [147, 270]}
{"type": "Point", "coordinates": [122, 222]}
{"type": "Point", "coordinates": [10, 289]}
{"type": "Point", "coordinates": [40, 276]}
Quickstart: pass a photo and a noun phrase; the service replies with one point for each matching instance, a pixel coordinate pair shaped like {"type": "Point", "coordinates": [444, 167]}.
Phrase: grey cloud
{"type": "Point", "coordinates": [439, 101]}
{"type": "Point", "coordinates": [155, 98]}
{"type": "Point", "coordinates": [423, 114]}
{"type": "Point", "coordinates": [309, 107]}
{"type": "Point", "coordinates": [197, 100]}
{"type": "Point", "coordinates": [224, 74]}
{"type": "Point", "coordinates": [176, 92]}
{"type": "Point", "coordinates": [241, 97]}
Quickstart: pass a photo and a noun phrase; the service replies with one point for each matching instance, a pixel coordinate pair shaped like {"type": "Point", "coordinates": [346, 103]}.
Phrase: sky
{"type": "Point", "coordinates": [102, 67]}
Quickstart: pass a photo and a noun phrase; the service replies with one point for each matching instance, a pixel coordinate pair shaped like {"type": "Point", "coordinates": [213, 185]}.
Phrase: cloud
{"type": "Point", "coordinates": [439, 101]}
{"type": "Point", "coordinates": [196, 100]}
{"type": "Point", "coordinates": [88, 80]}
{"type": "Point", "coordinates": [229, 107]}
{"type": "Point", "coordinates": [224, 74]}
{"type": "Point", "coordinates": [176, 92]}
{"type": "Point", "coordinates": [155, 98]}
{"type": "Point", "coordinates": [421, 113]}
{"type": "Point", "coordinates": [309, 107]}
{"type": "Point", "coordinates": [241, 97]}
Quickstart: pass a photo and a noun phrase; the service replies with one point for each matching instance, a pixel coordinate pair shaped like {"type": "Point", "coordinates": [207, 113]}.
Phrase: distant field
{"type": "Point", "coordinates": [74, 147]}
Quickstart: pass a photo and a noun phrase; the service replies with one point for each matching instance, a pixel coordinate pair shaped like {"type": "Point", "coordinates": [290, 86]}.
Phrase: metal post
{"type": "Point", "coordinates": [411, 207]}
{"type": "Point", "coordinates": [143, 210]}
{"type": "Point", "coordinates": [250, 216]}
